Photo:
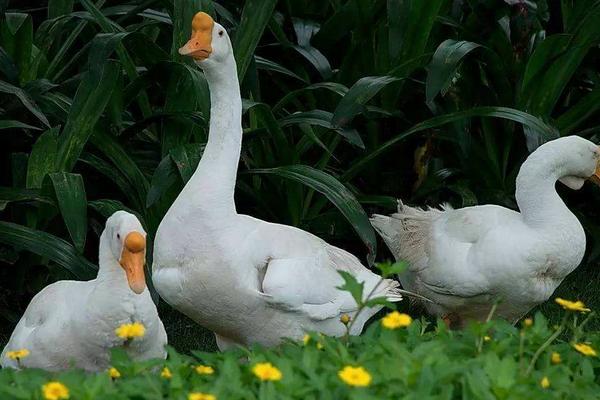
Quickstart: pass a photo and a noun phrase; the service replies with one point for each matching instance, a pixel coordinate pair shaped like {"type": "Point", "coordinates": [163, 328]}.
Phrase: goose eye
{"type": "Point", "coordinates": [118, 236]}
{"type": "Point", "coordinates": [220, 33]}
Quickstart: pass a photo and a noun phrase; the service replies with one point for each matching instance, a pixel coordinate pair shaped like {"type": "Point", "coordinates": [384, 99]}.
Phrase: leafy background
{"type": "Point", "coordinates": [349, 104]}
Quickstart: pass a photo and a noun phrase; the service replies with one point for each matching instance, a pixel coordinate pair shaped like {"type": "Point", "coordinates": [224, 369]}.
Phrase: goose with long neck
{"type": "Point", "coordinates": [247, 280]}
{"type": "Point", "coordinates": [467, 259]}
{"type": "Point", "coordinates": [74, 323]}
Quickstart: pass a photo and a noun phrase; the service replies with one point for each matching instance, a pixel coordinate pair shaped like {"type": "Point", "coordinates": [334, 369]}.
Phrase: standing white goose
{"type": "Point", "coordinates": [247, 280]}
{"type": "Point", "coordinates": [466, 259]}
{"type": "Point", "coordinates": [73, 322]}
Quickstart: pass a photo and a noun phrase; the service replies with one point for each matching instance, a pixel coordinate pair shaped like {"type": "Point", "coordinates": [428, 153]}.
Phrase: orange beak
{"type": "Point", "coordinates": [596, 177]}
{"type": "Point", "coordinates": [199, 46]}
{"type": "Point", "coordinates": [133, 258]}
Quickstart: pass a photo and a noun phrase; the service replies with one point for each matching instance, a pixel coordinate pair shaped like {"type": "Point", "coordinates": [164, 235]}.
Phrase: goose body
{"type": "Point", "coordinates": [248, 280]}
{"type": "Point", "coordinates": [73, 322]}
{"type": "Point", "coordinates": [466, 259]}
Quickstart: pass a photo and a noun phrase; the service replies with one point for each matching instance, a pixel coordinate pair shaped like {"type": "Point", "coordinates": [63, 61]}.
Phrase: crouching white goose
{"type": "Point", "coordinates": [466, 259]}
{"type": "Point", "coordinates": [247, 280]}
{"type": "Point", "coordinates": [73, 323]}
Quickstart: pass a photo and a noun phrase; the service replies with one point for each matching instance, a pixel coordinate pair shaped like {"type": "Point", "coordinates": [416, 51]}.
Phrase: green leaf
{"type": "Point", "coordinates": [254, 19]}
{"type": "Point", "coordinates": [25, 99]}
{"type": "Point", "coordinates": [352, 286]}
{"type": "Point", "coordinates": [12, 194]}
{"type": "Point", "coordinates": [56, 8]}
{"type": "Point", "coordinates": [11, 123]}
{"type": "Point", "coordinates": [268, 65]}
{"type": "Point", "coordinates": [46, 245]}
{"type": "Point", "coordinates": [389, 269]}
{"type": "Point", "coordinates": [164, 178]}
{"type": "Point", "coordinates": [42, 159]}
{"type": "Point", "coordinates": [186, 159]}
{"type": "Point", "coordinates": [336, 192]}
{"type": "Point", "coordinates": [72, 202]}
{"type": "Point", "coordinates": [410, 25]}
{"type": "Point", "coordinates": [322, 118]}
{"type": "Point", "coordinates": [528, 120]}
{"type": "Point", "coordinates": [358, 95]}
{"type": "Point", "coordinates": [91, 98]}
{"type": "Point", "coordinates": [579, 112]}
{"type": "Point", "coordinates": [444, 65]}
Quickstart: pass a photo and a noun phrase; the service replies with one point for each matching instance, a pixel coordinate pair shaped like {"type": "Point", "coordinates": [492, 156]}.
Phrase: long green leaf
{"type": "Point", "coordinates": [322, 118]}
{"type": "Point", "coordinates": [358, 95]}
{"type": "Point", "coordinates": [528, 120]}
{"type": "Point", "coordinates": [70, 195]}
{"type": "Point", "coordinates": [90, 100]}
{"type": "Point", "coordinates": [254, 19]}
{"type": "Point", "coordinates": [443, 65]}
{"type": "Point", "coordinates": [42, 159]}
{"type": "Point", "coordinates": [46, 245]}
{"type": "Point", "coordinates": [25, 99]}
{"type": "Point", "coordinates": [11, 124]}
{"type": "Point", "coordinates": [336, 192]}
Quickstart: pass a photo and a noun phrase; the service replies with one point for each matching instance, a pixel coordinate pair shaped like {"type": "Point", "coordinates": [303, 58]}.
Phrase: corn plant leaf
{"type": "Point", "coordinates": [444, 64]}
{"type": "Point", "coordinates": [335, 192]}
{"type": "Point", "coordinates": [49, 246]}
{"type": "Point", "coordinates": [12, 194]}
{"type": "Point", "coordinates": [88, 105]}
{"type": "Point", "coordinates": [527, 120]}
{"type": "Point", "coordinates": [11, 124]}
{"type": "Point", "coordinates": [71, 198]}
{"type": "Point", "coordinates": [358, 95]}
{"type": "Point", "coordinates": [254, 19]}
{"type": "Point", "coordinates": [42, 159]}
{"type": "Point", "coordinates": [25, 99]}
{"type": "Point", "coordinates": [56, 8]}
{"type": "Point", "coordinates": [579, 112]}
{"type": "Point", "coordinates": [322, 118]}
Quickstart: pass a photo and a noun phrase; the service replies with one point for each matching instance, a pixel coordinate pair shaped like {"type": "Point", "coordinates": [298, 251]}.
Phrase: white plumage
{"type": "Point", "coordinates": [247, 280]}
{"type": "Point", "coordinates": [73, 323]}
{"type": "Point", "coordinates": [466, 259]}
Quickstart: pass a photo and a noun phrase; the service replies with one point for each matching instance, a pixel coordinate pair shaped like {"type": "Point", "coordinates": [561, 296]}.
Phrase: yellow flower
{"type": "Point", "coordinates": [545, 382]}
{"type": "Point", "coordinates": [527, 322]}
{"type": "Point", "coordinates": [266, 372]}
{"type": "Point", "coordinates": [205, 370]}
{"type": "Point", "coordinates": [585, 349]}
{"type": "Point", "coordinates": [486, 338]}
{"type": "Point", "coordinates": [319, 346]}
{"type": "Point", "coordinates": [166, 373]}
{"type": "Point", "coordinates": [355, 376]}
{"type": "Point", "coordinates": [114, 373]}
{"type": "Point", "coordinates": [306, 339]}
{"type": "Point", "coordinates": [572, 305]}
{"type": "Point", "coordinates": [130, 331]}
{"type": "Point", "coordinates": [345, 319]}
{"type": "Point", "coordinates": [396, 320]}
{"type": "Point", "coordinates": [55, 391]}
{"type": "Point", "coordinates": [17, 354]}
{"type": "Point", "coordinates": [201, 396]}
{"type": "Point", "coordinates": [555, 358]}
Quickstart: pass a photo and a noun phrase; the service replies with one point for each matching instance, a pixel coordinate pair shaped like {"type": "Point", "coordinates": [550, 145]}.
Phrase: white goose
{"type": "Point", "coordinates": [247, 280]}
{"type": "Point", "coordinates": [73, 322]}
{"type": "Point", "coordinates": [466, 259]}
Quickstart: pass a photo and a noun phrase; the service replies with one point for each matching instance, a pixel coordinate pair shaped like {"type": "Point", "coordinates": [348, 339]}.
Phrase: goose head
{"type": "Point", "coordinates": [127, 242]}
{"type": "Point", "coordinates": [578, 160]}
{"type": "Point", "coordinates": [209, 44]}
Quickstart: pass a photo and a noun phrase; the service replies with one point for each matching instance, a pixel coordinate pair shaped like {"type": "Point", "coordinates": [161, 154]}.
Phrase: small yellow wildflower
{"type": "Point", "coordinates": [396, 320]}
{"type": "Point", "coordinates": [545, 382]}
{"type": "Point", "coordinates": [201, 396]}
{"type": "Point", "coordinates": [345, 319]}
{"type": "Point", "coordinates": [131, 331]}
{"type": "Point", "coordinates": [266, 372]}
{"type": "Point", "coordinates": [555, 358]}
{"type": "Point", "coordinates": [17, 354]}
{"type": "Point", "coordinates": [486, 338]}
{"type": "Point", "coordinates": [205, 370]}
{"type": "Point", "coordinates": [585, 349]}
{"type": "Point", "coordinates": [166, 373]}
{"type": "Point", "coordinates": [55, 391]}
{"type": "Point", "coordinates": [320, 346]}
{"type": "Point", "coordinates": [527, 322]}
{"type": "Point", "coordinates": [355, 376]}
{"type": "Point", "coordinates": [306, 339]}
{"type": "Point", "coordinates": [114, 373]}
{"type": "Point", "coordinates": [572, 305]}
